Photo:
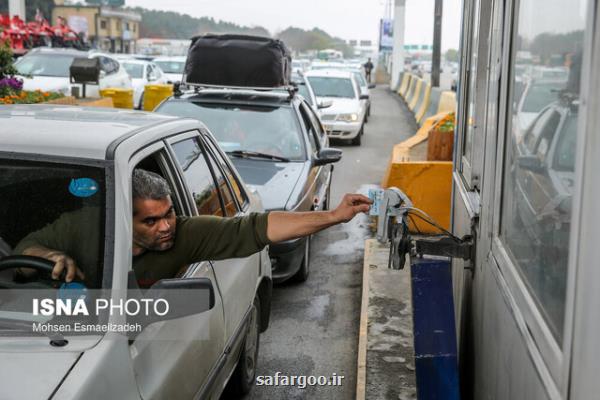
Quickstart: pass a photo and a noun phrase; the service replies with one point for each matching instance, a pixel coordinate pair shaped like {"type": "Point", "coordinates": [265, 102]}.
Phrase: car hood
{"type": "Point", "coordinates": [46, 83]}
{"type": "Point", "coordinates": [29, 375]}
{"type": "Point", "coordinates": [340, 106]}
{"type": "Point", "coordinates": [274, 181]}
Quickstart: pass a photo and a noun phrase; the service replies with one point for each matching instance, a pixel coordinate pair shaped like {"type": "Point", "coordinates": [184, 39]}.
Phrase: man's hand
{"type": "Point", "coordinates": [290, 225]}
{"type": "Point", "coordinates": [61, 262]}
{"type": "Point", "coordinates": [351, 205]}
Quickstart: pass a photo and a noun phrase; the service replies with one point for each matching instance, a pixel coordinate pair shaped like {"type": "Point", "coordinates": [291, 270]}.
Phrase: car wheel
{"type": "Point", "coordinates": [302, 274]}
{"type": "Point", "coordinates": [358, 139]}
{"type": "Point", "coordinates": [245, 372]}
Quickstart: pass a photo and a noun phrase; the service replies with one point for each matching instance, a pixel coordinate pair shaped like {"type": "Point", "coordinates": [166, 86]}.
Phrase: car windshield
{"type": "Point", "coordinates": [136, 71]}
{"type": "Point", "coordinates": [45, 65]}
{"type": "Point", "coordinates": [332, 87]}
{"type": "Point", "coordinates": [540, 95]}
{"type": "Point", "coordinates": [56, 206]}
{"type": "Point", "coordinates": [263, 129]}
{"type": "Point", "coordinates": [171, 67]}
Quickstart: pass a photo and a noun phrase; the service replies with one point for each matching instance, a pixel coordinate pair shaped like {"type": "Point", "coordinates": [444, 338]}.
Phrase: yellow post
{"type": "Point", "coordinates": [122, 98]}
{"type": "Point", "coordinates": [155, 94]}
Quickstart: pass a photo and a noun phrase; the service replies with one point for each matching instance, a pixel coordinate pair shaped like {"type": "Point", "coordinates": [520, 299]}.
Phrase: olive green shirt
{"type": "Point", "coordinates": [196, 239]}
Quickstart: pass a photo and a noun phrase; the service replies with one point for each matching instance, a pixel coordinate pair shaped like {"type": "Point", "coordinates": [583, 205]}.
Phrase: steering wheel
{"type": "Point", "coordinates": [37, 263]}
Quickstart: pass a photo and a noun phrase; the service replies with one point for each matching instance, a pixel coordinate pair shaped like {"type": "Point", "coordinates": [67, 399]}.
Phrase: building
{"type": "Point", "coordinates": [107, 28]}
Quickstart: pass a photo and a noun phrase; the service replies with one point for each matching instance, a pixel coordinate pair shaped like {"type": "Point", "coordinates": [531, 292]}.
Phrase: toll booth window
{"type": "Point", "coordinates": [198, 177]}
{"type": "Point", "coordinates": [539, 172]}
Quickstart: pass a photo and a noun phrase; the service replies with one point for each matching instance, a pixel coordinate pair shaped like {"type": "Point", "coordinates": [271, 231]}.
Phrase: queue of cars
{"type": "Point", "coordinates": [224, 152]}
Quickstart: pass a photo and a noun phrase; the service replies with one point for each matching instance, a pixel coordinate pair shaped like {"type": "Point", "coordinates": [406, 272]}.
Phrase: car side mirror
{"type": "Point", "coordinates": [184, 297]}
{"type": "Point", "coordinates": [531, 163]}
{"type": "Point", "coordinates": [327, 155]}
{"type": "Point", "coordinates": [371, 86]}
{"type": "Point", "coordinates": [364, 97]}
{"type": "Point", "coordinates": [324, 104]}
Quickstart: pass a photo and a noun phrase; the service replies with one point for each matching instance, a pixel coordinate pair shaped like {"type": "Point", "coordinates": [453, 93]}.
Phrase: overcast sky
{"type": "Point", "coordinates": [348, 19]}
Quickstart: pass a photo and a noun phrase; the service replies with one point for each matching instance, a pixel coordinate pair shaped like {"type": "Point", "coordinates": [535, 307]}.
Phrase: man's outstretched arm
{"type": "Point", "coordinates": [284, 225]}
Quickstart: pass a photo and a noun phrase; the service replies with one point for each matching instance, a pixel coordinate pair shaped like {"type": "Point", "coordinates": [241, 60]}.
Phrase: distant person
{"type": "Point", "coordinates": [368, 66]}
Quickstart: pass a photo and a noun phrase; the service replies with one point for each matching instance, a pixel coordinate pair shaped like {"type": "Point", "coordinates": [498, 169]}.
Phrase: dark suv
{"type": "Point", "coordinates": [279, 147]}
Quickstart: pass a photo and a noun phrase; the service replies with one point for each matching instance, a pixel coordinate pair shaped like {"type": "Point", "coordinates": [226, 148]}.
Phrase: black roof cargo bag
{"type": "Point", "coordinates": [237, 60]}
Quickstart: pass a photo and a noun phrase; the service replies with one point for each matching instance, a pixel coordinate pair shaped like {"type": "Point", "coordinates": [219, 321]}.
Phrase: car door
{"type": "Point", "coordinates": [174, 359]}
{"type": "Point", "coordinates": [237, 277]}
{"type": "Point", "coordinates": [320, 176]}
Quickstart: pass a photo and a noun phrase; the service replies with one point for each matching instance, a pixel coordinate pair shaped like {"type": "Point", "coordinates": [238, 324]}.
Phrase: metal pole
{"type": "Point", "coordinates": [437, 43]}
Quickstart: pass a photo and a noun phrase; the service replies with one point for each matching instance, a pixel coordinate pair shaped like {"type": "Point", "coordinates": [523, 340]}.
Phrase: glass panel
{"type": "Point", "coordinates": [230, 206]}
{"type": "Point", "coordinates": [63, 211]}
{"type": "Point", "coordinates": [540, 149]}
{"type": "Point", "coordinates": [472, 85]}
{"type": "Point", "coordinates": [198, 177]}
{"type": "Point", "coordinates": [237, 190]}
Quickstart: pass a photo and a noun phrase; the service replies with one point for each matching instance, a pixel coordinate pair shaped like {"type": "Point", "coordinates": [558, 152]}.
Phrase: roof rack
{"type": "Point", "coordinates": [292, 89]}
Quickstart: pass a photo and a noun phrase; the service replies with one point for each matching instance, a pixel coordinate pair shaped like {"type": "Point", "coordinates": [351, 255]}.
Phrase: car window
{"type": "Point", "coordinates": [238, 192]}
{"type": "Point", "coordinates": [310, 129]}
{"type": "Point", "coordinates": [316, 122]}
{"type": "Point", "coordinates": [64, 211]}
{"type": "Point", "coordinates": [565, 149]}
{"type": "Point", "coordinates": [44, 65]}
{"type": "Point", "coordinates": [226, 195]}
{"type": "Point", "coordinates": [198, 177]}
{"type": "Point", "coordinates": [332, 87]}
{"type": "Point", "coordinates": [303, 91]}
{"type": "Point", "coordinates": [359, 79]}
{"type": "Point", "coordinates": [264, 129]}
{"type": "Point", "coordinates": [543, 127]}
{"type": "Point", "coordinates": [135, 71]}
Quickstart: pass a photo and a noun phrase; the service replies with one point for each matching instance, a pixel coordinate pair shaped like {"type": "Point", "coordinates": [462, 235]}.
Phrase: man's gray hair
{"type": "Point", "coordinates": [149, 185]}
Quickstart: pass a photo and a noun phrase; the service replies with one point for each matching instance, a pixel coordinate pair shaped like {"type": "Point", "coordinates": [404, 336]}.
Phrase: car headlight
{"type": "Point", "coordinates": [348, 117]}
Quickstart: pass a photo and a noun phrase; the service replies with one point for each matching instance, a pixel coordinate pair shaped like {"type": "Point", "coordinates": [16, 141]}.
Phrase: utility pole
{"type": "Point", "coordinates": [437, 43]}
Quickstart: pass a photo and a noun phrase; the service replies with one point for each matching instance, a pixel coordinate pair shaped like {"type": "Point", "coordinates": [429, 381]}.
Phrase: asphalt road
{"type": "Point", "coordinates": [314, 325]}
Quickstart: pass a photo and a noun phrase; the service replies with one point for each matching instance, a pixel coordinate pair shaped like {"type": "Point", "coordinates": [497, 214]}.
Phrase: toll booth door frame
{"type": "Point", "coordinates": [506, 348]}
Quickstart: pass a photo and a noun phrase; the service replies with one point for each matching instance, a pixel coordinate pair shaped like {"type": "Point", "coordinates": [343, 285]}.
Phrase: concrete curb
{"type": "Point", "coordinates": [361, 374]}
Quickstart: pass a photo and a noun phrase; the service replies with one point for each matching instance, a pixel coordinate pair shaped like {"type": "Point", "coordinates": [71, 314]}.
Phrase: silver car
{"type": "Point", "coordinates": [346, 117]}
{"type": "Point", "coordinates": [64, 159]}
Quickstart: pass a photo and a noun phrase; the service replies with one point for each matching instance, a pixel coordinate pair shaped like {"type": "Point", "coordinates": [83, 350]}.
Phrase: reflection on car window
{"type": "Point", "coordinates": [64, 210]}
{"type": "Point", "coordinates": [237, 191]}
{"type": "Point", "coordinates": [198, 177]}
{"type": "Point", "coordinates": [271, 130]}
{"type": "Point", "coordinates": [539, 174]}
{"type": "Point", "coordinates": [332, 87]}
{"type": "Point", "coordinates": [565, 150]}
{"type": "Point", "coordinates": [45, 65]}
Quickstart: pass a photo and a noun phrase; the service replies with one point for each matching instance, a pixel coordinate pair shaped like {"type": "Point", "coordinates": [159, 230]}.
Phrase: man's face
{"type": "Point", "coordinates": [154, 224]}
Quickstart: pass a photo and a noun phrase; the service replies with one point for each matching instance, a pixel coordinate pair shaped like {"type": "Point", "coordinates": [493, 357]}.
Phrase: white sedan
{"type": "Point", "coordinates": [172, 66]}
{"type": "Point", "coordinates": [142, 73]}
{"type": "Point", "coordinates": [47, 69]}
